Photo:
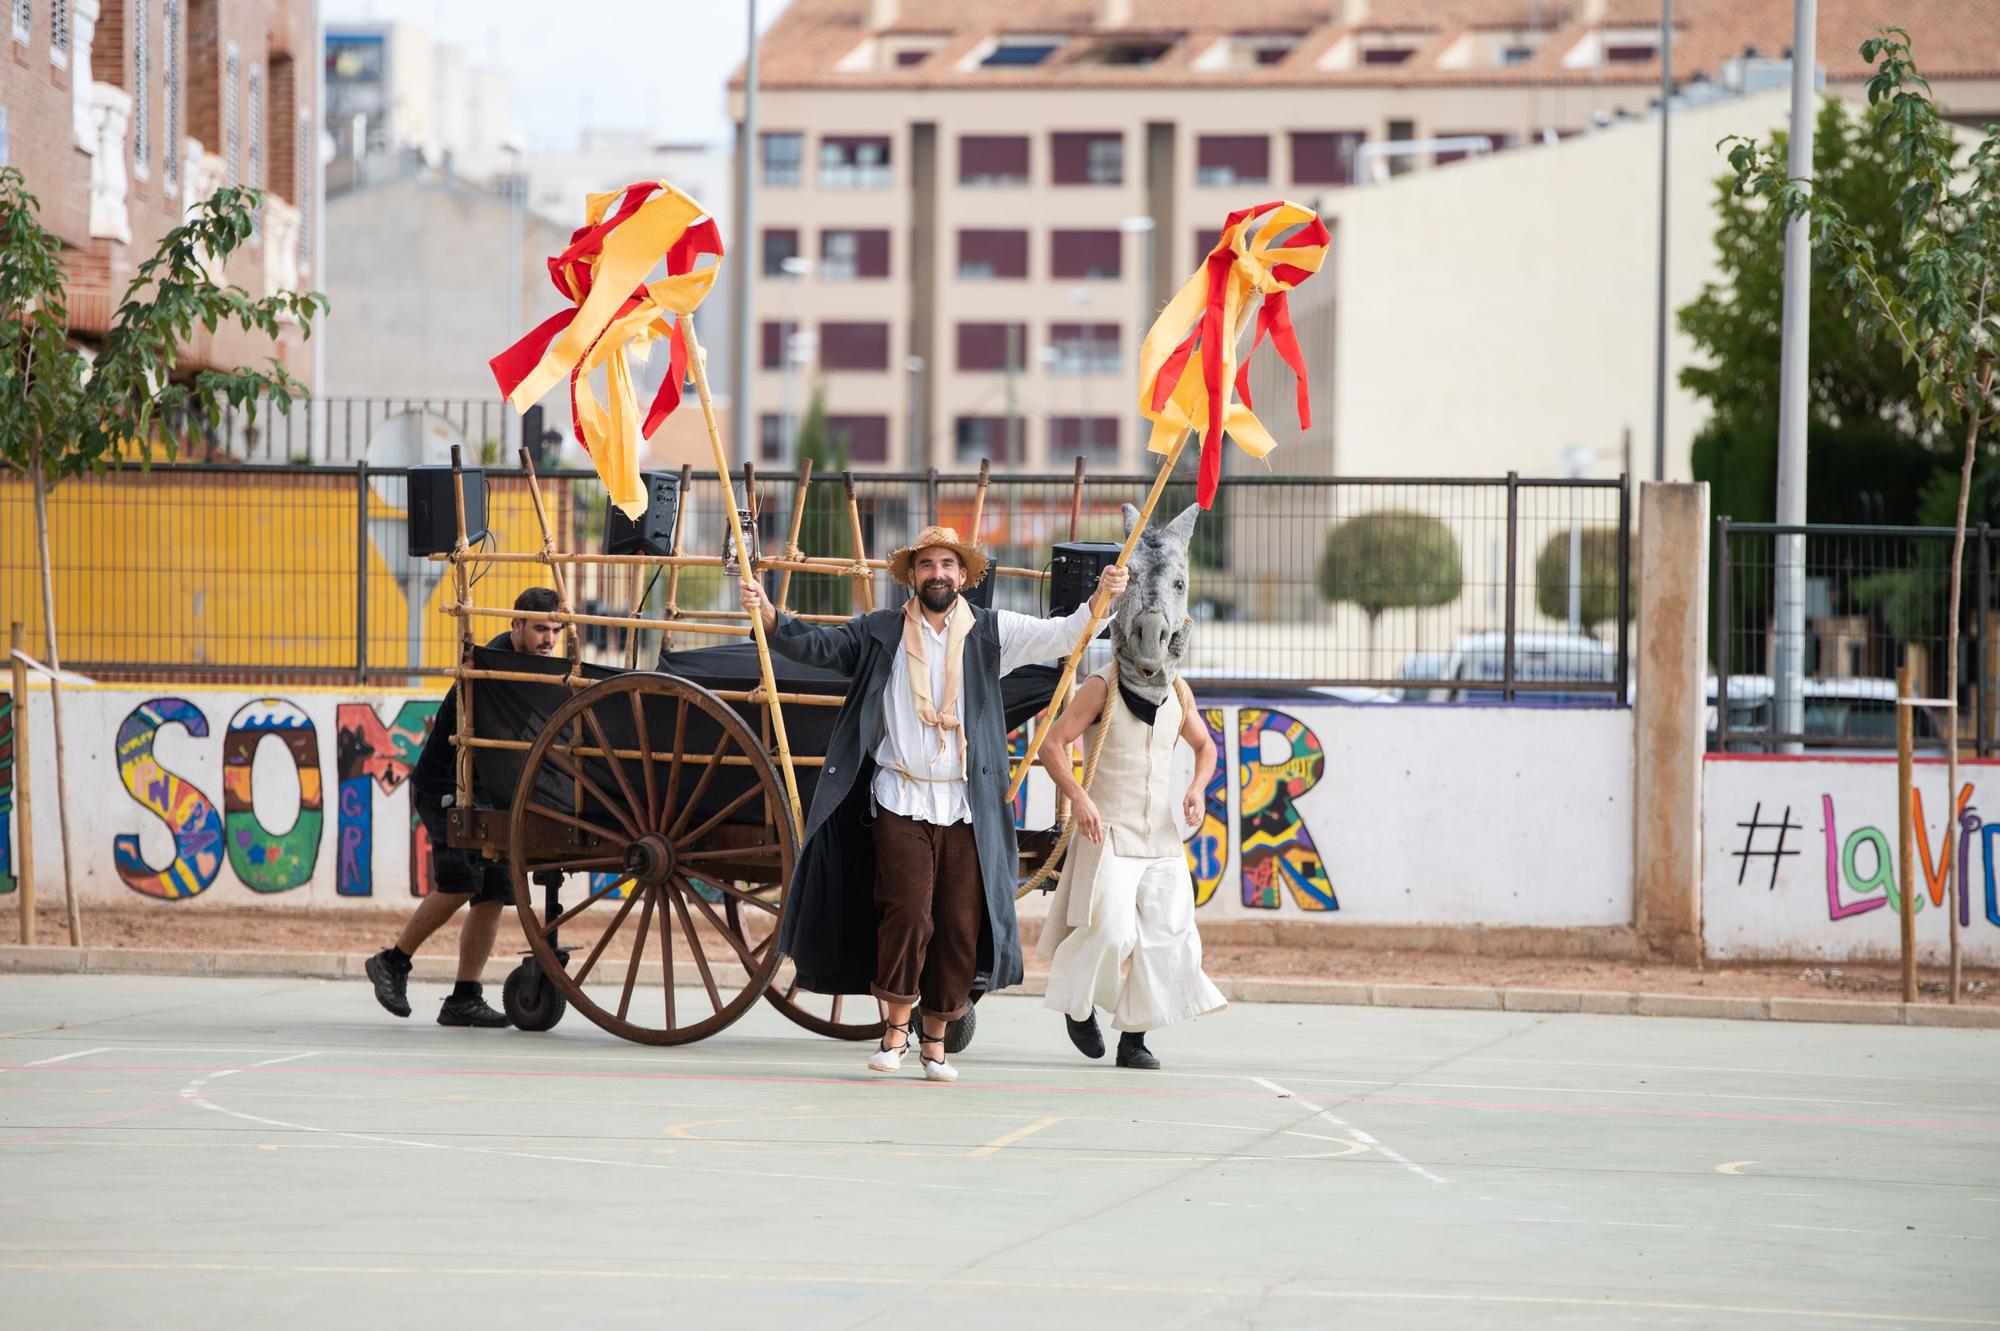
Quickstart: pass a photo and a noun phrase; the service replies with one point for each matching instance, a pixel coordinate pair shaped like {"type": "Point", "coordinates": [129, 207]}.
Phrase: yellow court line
{"type": "Point", "coordinates": [1001, 1143]}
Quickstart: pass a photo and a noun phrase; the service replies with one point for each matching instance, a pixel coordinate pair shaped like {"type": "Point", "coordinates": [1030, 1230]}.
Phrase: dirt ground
{"type": "Point", "coordinates": [356, 931]}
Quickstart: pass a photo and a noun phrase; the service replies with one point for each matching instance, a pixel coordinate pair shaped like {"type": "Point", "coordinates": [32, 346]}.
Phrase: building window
{"type": "Point", "coordinates": [780, 244]}
{"type": "Point", "coordinates": [866, 437]}
{"type": "Point", "coordinates": [232, 112]}
{"type": "Point", "coordinates": [985, 256]}
{"type": "Point", "coordinates": [1205, 239]}
{"type": "Point", "coordinates": [854, 346]}
{"type": "Point", "coordinates": [24, 20]}
{"type": "Point", "coordinates": [1325, 159]}
{"type": "Point", "coordinates": [1087, 159]}
{"type": "Point", "coordinates": [905, 58]}
{"type": "Point", "coordinates": [992, 160]}
{"type": "Point", "coordinates": [1093, 437]}
{"type": "Point", "coordinates": [777, 337]}
{"type": "Point", "coordinates": [784, 160]}
{"type": "Point", "coordinates": [59, 31]}
{"type": "Point", "coordinates": [847, 255]}
{"type": "Point", "coordinates": [304, 166]}
{"type": "Point", "coordinates": [1084, 254]}
{"type": "Point", "coordinates": [1084, 348]}
{"type": "Point", "coordinates": [984, 439]}
{"type": "Point", "coordinates": [170, 98]}
{"type": "Point", "coordinates": [854, 163]}
{"type": "Point", "coordinates": [1018, 52]}
{"type": "Point", "coordinates": [1401, 131]}
{"type": "Point", "coordinates": [1628, 55]}
{"type": "Point", "coordinates": [1516, 55]}
{"type": "Point", "coordinates": [256, 162]}
{"type": "Point", "coordinates": [1233, 159]}
{"type": "Point", "coordinates": [1494, 141]}
{"type": "Point", "coordinates": [142, 93]}
{"type": "Point", "coordinates": [770, 437]}
{"type": "Point", "coordinates": [1128, 51]}
{"type": "Point", "coordinates": [1387, 55]}
{"type": "Point", "coordinates": [984, 348]}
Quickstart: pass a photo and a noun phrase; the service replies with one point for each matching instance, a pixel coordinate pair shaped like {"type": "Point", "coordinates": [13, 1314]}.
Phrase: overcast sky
{"type": "Point", "coordinates": [606, 64]}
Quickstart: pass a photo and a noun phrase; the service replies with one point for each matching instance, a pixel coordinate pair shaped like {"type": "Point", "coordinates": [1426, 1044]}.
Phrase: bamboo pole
{"type": "Point", "coordinates": [579, 749]}
{"type": "Point", "coordinates": [792, 540]}
{"type": "Point", "coordinates": [610, 621]}
{"type": "Point", "coordinates": [685, 497]}
{"type": "Point", "coordinates": [979, 499]}
{"type": "Point", "coordinates": [1098, 605]}
{"type": "Point", "coordinates": [860, 546]}
{"type": "Point", "coordinates": [25, 877]}
{"type": "Point", "coordinates": [556, 573]}
{"type": "Point", "coordinates": [696, 362]}
{"type": "Point", "coordinates": [1906, 864]}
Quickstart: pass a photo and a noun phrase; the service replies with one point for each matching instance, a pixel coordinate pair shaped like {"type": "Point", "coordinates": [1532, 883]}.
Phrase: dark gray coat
{"type": "Point", "coordinates": [829, 924]}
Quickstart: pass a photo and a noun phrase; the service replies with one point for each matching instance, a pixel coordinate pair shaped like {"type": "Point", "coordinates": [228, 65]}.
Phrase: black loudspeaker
{"type": "Point", "coordinates": [982, 595]}
{"type": "Point", "coordinates": [434, 512]}
{"type": "Point", "coordinates": [1073, 573]}
{"type": "Point", "coordinates": [653, 532]}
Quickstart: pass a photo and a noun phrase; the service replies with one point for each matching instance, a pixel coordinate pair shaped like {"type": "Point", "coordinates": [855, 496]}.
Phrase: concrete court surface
{"type": "Point", "coordinates": [215, 1154]}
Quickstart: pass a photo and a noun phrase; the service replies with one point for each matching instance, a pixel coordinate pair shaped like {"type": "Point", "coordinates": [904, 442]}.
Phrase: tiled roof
{"type": "Point", "coordinates": [803, 49]}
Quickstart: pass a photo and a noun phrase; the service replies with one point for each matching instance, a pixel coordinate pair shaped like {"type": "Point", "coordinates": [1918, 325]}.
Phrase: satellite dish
{"type": "Point", "coordinates": [409, 439]}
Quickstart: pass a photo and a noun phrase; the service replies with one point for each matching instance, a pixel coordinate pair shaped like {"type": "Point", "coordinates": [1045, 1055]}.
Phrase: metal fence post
{"type": "Point", "coordinates": [361, 572]}
{"type": "Point", "coordinates": [931, 497]}
{"type": "Point", "coordinates": [1723, 640]}
{"type": "Point", "coordinates": [1513, 545]}
{"type": "Point", "coordinates": [1624, 587]}
{"type": "Point", "coordinates": [1980, 684]}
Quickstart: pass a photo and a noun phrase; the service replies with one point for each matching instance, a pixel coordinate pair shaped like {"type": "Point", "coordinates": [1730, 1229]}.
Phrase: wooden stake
{"type": "Point", "coordinates": [979, 499]}
{"type": "Point", "coordinates": [1076, 499]}
{"type": "Point", "coordinates": [70, 905]}
{"type": "Point", "coordinates": [860, 546]}
{"type": "Point", "coordinates": [697, 363]}
{"type": "Point", "coordinates": [798, 521]}
{"type": "Point", "coordinates": [24, 877]}
{"type": "Point", "coordinates": [555, 566]}
{"type": "Point", "coordinates": [674, 571]}
{"type": "Point", "coordinates": [1906, 864]}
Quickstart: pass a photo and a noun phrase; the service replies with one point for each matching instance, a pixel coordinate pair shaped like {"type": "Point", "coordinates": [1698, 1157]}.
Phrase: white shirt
{"type": "Point", "coordinates": [909, 744]}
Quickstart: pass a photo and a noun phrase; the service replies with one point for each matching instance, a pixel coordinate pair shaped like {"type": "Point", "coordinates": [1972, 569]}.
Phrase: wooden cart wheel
{"type": "Point", "coordinates": [658, 781]}
{"type": "Point", "coordinates": [842, 1016]}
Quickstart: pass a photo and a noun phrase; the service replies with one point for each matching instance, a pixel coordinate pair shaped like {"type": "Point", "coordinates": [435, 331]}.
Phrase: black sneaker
{"type": "Point", "coordinates": [391, 976]}
{"type": "Point", "coordinates": [471, 1010]}
{"type": "Point", "coordinates": [1089, 1040]}
{"type": "Point", "coordinates": [1132, 1052]}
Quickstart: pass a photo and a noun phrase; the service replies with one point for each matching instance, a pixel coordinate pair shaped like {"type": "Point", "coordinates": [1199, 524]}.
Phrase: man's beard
{"type": "Point", "coordinates": [937, 595]}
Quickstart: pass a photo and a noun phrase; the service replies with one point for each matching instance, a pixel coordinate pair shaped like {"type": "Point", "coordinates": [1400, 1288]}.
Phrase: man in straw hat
{"type": "Point", "coordinates": [919, 907]}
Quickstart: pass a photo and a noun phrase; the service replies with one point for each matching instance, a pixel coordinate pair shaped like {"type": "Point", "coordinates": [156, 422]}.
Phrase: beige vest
{"type": "Point", "coordinates": [1134, 786]}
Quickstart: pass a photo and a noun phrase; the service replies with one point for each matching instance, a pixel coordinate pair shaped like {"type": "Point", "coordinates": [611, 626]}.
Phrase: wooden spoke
{"type": "Point", "coordinates": [701, 786]}
{"type": "Point", "coordinates": [585, 904]}
{"type": "Point", "coordinates": [736, 893]}
{"type": "Point", "coordinates": [709, 826]}
{"type": "Point", "coordinates": [589, 962]}
{"type": "Point", "coordinates": [646, 760]}
{"type": "Point", "coordinates": [667, 954]}
{"type": "Point", "coordinates": [638, 952]}
{"type": "Point", "coordinates": [743, 954]}
{"type": "Point", "coordinates": [575, 771]}
{"type": "Point", "coordinates": [592, 864]}
{"type": "Point", "coordinates": [837, 998]}
{"type": "Point", "coordinates": [571, 820]}
{"type": "Point", "coordinates": [733, 853]}
{"type": "Point", "coordinates": [674, 768]}
{"type": "Point", "coordinates": [617, 766]}
{"type": "Point", "coordinates": [694, 946]}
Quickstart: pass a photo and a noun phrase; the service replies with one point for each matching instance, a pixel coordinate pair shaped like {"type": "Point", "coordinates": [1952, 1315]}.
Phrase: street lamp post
{"type": "Point", "coordinates": [1144, 227]}
{"type": "Point", "coordinates": [791, 350]}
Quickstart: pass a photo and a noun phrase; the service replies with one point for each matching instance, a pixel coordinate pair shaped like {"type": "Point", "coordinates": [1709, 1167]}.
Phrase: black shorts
{"type": "Point", "coordinates": [455, 872]}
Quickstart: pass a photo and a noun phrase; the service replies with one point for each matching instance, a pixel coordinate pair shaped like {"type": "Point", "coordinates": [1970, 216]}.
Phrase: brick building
{"type": "Point", "coordinates": [124, 114]}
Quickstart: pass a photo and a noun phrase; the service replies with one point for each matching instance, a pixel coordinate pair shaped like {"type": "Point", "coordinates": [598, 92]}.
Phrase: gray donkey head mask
{"type": "Point", "coordinates": [1150, 634]}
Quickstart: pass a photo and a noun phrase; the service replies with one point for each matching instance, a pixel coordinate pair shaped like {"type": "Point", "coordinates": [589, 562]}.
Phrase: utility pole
{"type": "Point", "coordinates": [746, 260]}
{"type": "Point", "coordinates": [1788, 664]}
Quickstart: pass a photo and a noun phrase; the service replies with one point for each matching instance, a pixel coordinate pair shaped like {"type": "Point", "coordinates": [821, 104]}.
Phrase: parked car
{"type": "Point", "coordinates": [1853, 716]}
{"type": "Point", "coordinates": [1421, 665]}
{"type": "Point", "coordinates": [1539, 658]}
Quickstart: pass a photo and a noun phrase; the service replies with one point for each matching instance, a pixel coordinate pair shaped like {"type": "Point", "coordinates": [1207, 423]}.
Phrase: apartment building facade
{"type": "Point", "coordinates": [966, 212]}
{"type": "Point", "coordinates": [123, 115]}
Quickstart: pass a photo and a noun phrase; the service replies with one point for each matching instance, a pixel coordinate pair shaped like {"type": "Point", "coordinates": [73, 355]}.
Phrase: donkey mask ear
{"type": "Point", "coordinates": [1131, 517]}
{"type": "Point", "coordinates": [1181, 529]}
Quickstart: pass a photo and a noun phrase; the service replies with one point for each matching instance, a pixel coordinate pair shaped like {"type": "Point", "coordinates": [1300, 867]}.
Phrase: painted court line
{"type": "Point", "coordinates": [1003, 1142]}
{"type": "Point", "coordinates": [1321, 1111]}
{"type": "Point", "coordinates": [64, 1058]}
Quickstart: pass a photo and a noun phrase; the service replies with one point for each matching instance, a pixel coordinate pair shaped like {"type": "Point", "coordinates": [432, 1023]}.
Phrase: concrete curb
{"type": "Point", "coordinates": [17, 960]}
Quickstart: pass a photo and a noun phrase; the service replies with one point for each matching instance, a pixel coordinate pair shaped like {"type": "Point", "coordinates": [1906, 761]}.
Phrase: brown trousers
{"type": "Point", "coordinates": [927, 888]}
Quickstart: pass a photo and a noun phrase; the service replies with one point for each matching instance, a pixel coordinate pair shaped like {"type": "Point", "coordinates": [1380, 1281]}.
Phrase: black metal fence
{"type": "Point", "coordinates": [1503, 589]}
{"type": "Point", "coordinates": [334, 431]}
{"type": "Point", "coordinates": [1873, 597]}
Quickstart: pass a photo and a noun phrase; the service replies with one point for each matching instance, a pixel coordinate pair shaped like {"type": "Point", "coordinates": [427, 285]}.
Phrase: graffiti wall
{"type": "Point", "coordinates": [1800, 859]}
{"type": "Point", "coordinates": [1316, 811]}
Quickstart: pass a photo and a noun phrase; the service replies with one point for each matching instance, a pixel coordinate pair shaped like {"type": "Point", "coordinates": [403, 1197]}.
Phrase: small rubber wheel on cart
{"type": "Point", "coordinates": [532, 1003]}
{"type": "Point", "coordinates": [958, 1033]}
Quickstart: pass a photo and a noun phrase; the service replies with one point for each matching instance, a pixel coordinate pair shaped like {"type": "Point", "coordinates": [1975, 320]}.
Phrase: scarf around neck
{"type": "Point", "coordinates": [943, 713]}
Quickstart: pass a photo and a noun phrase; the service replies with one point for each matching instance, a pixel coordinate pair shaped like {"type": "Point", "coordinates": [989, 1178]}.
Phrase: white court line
{"type": "Point", "coordinates": [64, 1058]}
{"type": "Point", "coordinates": [1321, 1111]}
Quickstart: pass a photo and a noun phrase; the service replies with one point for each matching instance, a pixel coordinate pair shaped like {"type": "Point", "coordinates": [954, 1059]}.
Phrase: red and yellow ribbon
{"type": "Point", "coordinates": [603, 272]}
{"type": "Point", "coordinates": [1179, 394]}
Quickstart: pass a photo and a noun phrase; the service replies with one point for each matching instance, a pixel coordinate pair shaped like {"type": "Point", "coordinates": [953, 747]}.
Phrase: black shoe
{"type": "Point", "coordinates": [1132, 1052]}
{"type": "Point", "coordinates": [391, 977]}
{"type": "Point", "coordinates": [472, 1010]}
{"type": "Point", "coordinates": [1089, 1041]}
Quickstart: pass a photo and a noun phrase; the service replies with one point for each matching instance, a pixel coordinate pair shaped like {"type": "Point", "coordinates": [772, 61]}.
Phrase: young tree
{"type": "Point", "coordinates": [1390, 560]}
{"type": "Point", "coordinates": [65, 410]}
{"type": "Point", "coordinates": [825, 529]}
{"type": "Point", "coordinates": [1937, 300]}
{"type": "Point", "coordinates": [1597, 581]}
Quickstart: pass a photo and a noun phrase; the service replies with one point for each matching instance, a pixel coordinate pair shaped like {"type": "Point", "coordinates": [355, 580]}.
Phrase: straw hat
{"type": "Point", "coordinates": [930, 538]}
